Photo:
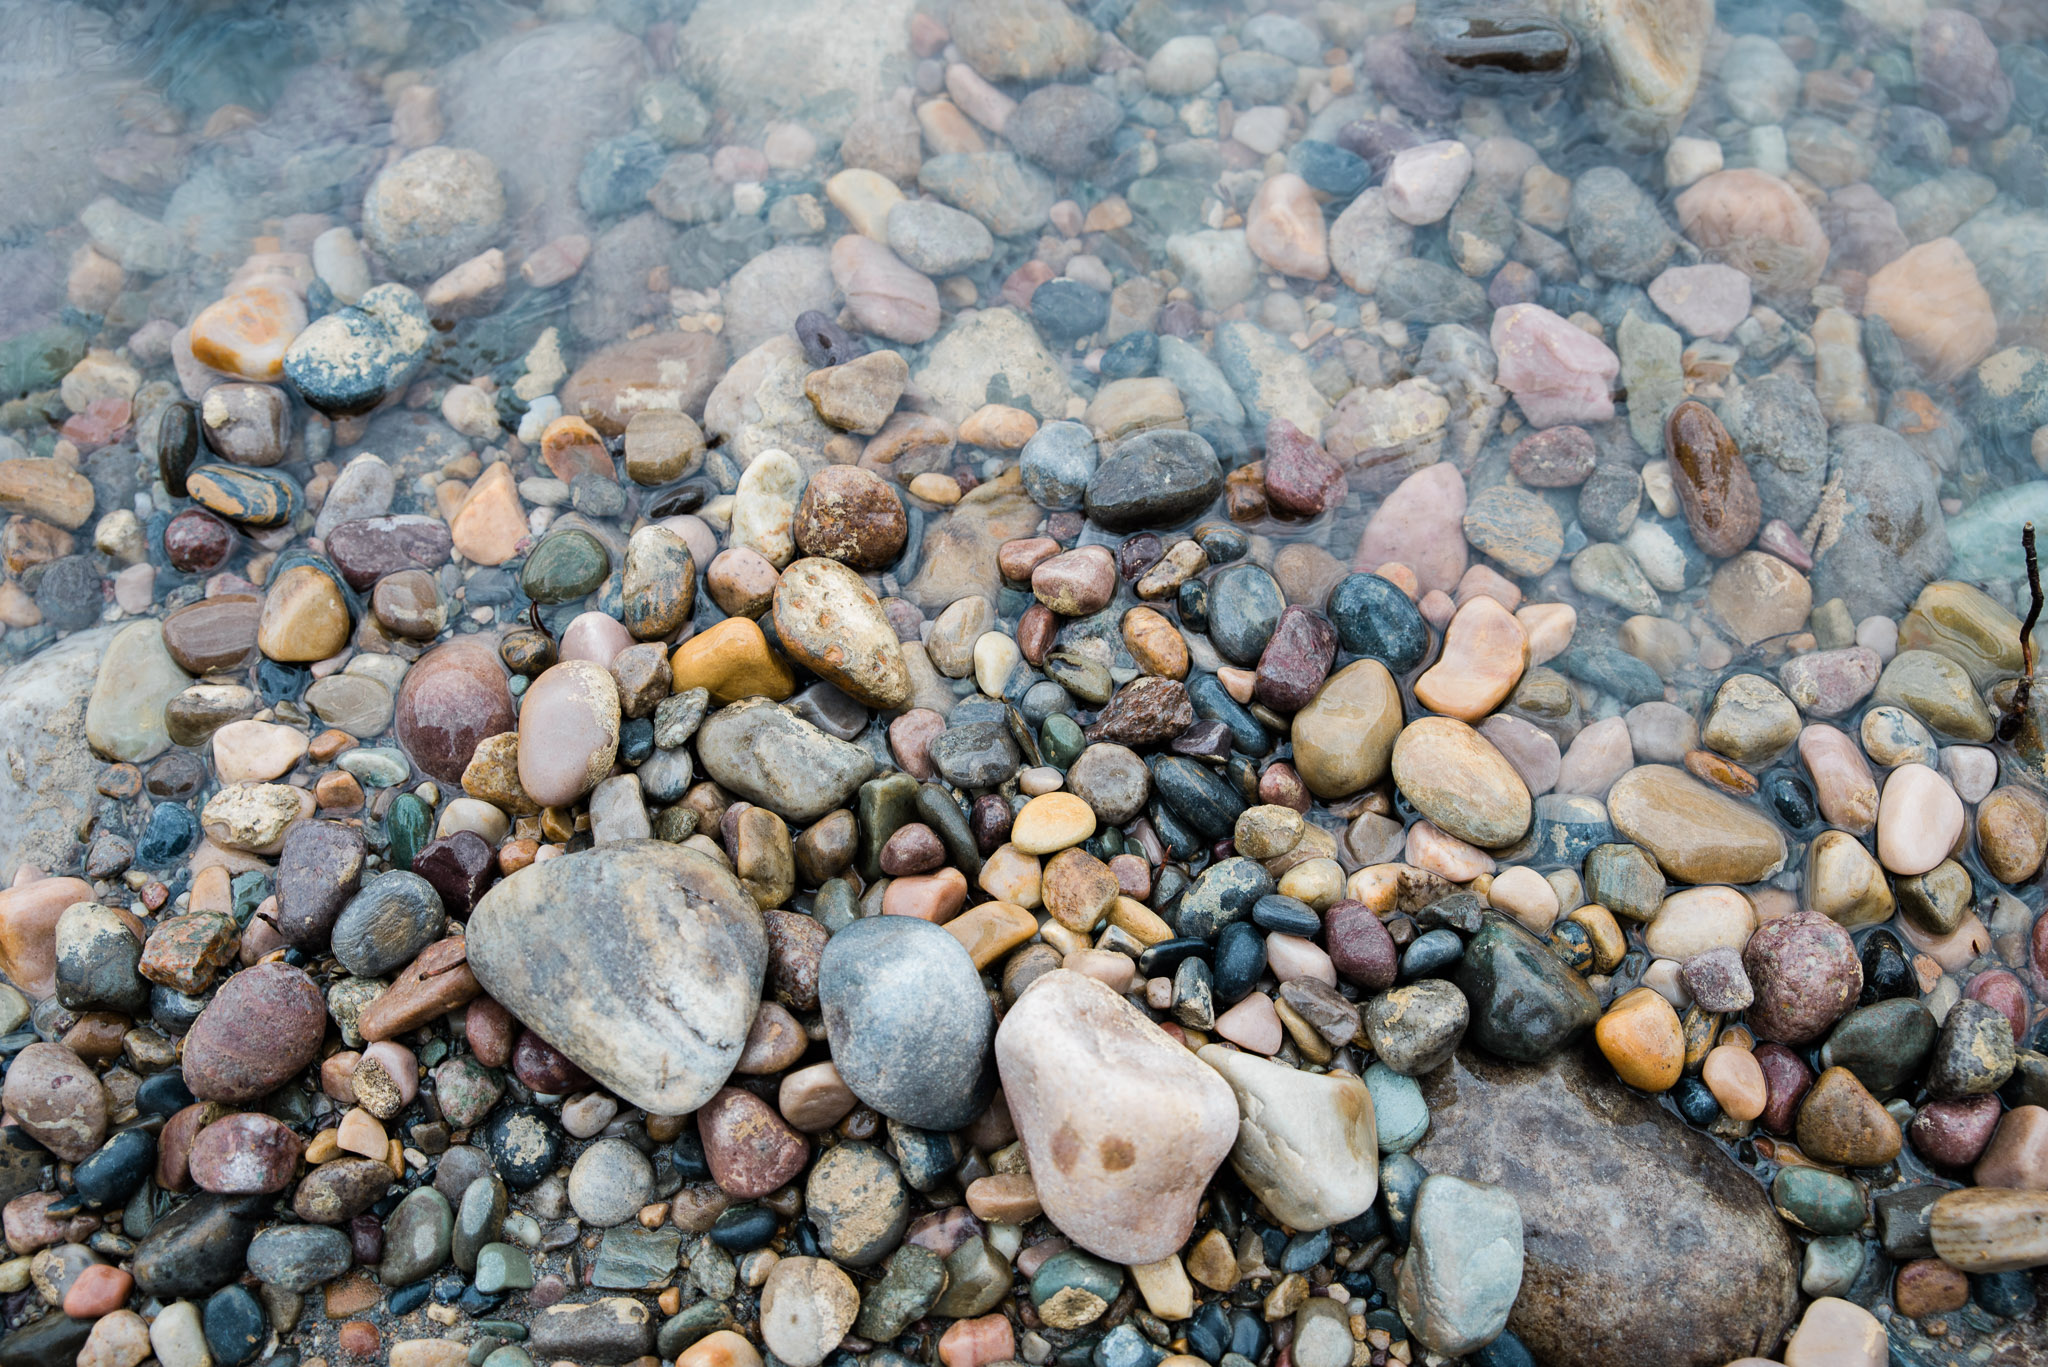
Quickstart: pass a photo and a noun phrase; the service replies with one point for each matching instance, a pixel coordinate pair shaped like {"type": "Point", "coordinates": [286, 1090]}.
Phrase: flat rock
{"type": "Point", "coordinates": [1626, 1212]}
{"type": "Point", "coordinates": [46, 785]}
{"type": "Point", "coordinates": [768, 755]}
{"type": "Point", "coordinates": [1696, 834]}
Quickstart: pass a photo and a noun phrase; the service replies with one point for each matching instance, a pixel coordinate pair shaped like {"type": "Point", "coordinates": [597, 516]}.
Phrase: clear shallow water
{"type": "Point", "coordinates": [665, 168]}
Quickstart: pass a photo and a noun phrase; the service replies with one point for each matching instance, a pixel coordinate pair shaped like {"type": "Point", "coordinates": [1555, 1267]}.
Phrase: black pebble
{"type": "Point", "coordinates": [115, 1173]}
{"type": "Point", "coordinates": [742, 1229]}
{"type": "Point", "coordinates": [235, 1326]}
{"type": "Point", "coordinates": [1240, 959]}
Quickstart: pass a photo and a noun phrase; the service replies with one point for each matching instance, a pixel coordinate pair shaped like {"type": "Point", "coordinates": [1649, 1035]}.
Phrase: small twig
{"type": "Point", "coordinates": [445, 968]}
{"type": "Point", "coordinates": [533, 615]}
{"type": "Point", "coordinates": [2016, 714]}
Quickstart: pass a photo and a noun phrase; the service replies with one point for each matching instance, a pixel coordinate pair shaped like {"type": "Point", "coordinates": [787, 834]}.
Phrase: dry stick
{"type": "Point", "coordinates": [2015, 715]}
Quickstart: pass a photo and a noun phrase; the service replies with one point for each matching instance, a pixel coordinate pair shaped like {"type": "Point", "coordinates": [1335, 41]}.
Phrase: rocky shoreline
{"type": "Point", "coordinates": [1006, 682]}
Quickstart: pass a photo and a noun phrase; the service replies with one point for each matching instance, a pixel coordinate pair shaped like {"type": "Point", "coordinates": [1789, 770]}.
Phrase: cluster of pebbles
{"type": "Point", "coordinates": [1006, 682]}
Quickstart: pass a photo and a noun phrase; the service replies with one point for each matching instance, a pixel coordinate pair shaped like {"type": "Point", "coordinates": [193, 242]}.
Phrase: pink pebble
{"type": "Point", "coordinates": [595, 636]}
{"type": "Point", "coordinates": [1429, 848]}
{"type": "Point", "coordinates": [1557, 371]}
{"type": "Point", "coordinates": [1253, 1023]}
{"type": "Point", "coordinates": [1292, 958]}
{"type": "Point", "coordinates": [1780, 540]}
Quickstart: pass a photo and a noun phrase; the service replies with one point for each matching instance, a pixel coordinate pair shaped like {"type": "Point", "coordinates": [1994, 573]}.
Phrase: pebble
{"type": "Point", "coordinates": [1078, 1063]}
{"type": "Point", "coordinates": [1557, 373]}
{"type": "Point", "coordinates": [1463, 1268]}
{"type": "Point", "coordinates": [907, 1022]}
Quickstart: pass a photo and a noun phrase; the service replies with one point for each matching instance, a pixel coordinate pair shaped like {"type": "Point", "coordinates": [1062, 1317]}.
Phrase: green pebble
{"type": "Point", "coordinates": [501, 1267]}
{"type": "Point", "coordinates": [375, 766]}
{"type": "Point", "coordinates": [511, 1355]}
{"type": "Point", "coordinates": [408, 826]}
{"type": "Point", "coordinates": [1073, 1269]}
{"type": "Point", "coordinates": [1061, 740]}
{"type": "Point", "coordinates": [1831, 1265]}
{"type": "Point", "coordinates": [1819, 1202]}
{"type": "Point", "coordinates": [565, 566]}
{"type": "Point", "coordinates": [689, 1324]}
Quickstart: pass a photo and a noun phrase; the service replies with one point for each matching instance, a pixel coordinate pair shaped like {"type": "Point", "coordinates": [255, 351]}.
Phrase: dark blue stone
{"type": "Point", "coordinates": [636, 739]}
{"type": "Point", "coordinates": [1432, 952]}
{"type": "Point", "coordinates": [1067, 309]}
{"type": "Point", "coordinates": [1209, 1332]}
{"type": "Point", "coordinates": [235, 1325]}
{"type": "Point", "coordinates": [118, 1170]}
{"type": "Point", "coordinates": [689, 1157]}
{"type": "Point", "coordinates": [407, 1299]}
{"type": "Point", "coordinates": [1695, 1102]}
{"type": "Point", "coordinates": [1240, 959]}
{"type": "Point", "coordinates": [1133, 356]}
{"type": "Point", "coordinates": [1159, 961]}
{"type": "Point", "coordinates": [1304, 1251]}
{"type": "Point", "coordinates": [1248, 1335]}
{"type": "Point", "coordinates": [174, 1010]}
{"type": "Point", "coordinates": [1181, 840]}
{"type": "Point", "coordinates": [448, 1287]}
{"type": "Point", "coordinates": [1195, 793]}
{"type": "Point", "coordinates": [1225, 892]}
{"type": "Point", "coordinates": [473, 1302]}
{"type": "Point", "coordinates": [1287, 915]}
{"type": "Point", "coordinates": [1245, 604]}
{"type": "Point", "coordinates": [925, 1157]}
{"type": "Point", "coordinates": [2008, 1295]}
{"type": "Point", "coordinates": [170, 832]}
{"type": "Point", "coordinates": [1212, 702]}
{"type": "Point", "coordinates": [1124, 1346]}
{"type": "Point", "coordinates": [1329, 168]}
{"type": "Point", "coordinates": [742, 1229]}
{"type": "Point", "coordinates": [1613, 671]}
{"type": "Point", "coordinates": [1375, 619]}
{"type": "Point", "coordinates": [1222, 544]}
{"type": "Point", "coordinates": [1566, 830]}
{"type": "Point", "coordinates": [1191, 600]}
{"type": "Point", "coordinates": [1505, 1351]}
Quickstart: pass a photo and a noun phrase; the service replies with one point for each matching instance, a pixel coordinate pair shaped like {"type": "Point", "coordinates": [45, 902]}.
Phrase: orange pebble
{"type": "Point", "coordinates": [100, 1290]}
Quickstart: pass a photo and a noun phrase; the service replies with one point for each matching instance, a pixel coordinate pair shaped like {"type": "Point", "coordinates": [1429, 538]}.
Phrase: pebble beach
{"type": "Point", "coordinates": [960, 683]}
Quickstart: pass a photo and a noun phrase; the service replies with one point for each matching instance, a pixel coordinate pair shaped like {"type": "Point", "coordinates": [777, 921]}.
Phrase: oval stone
{"type": "Point", "coordinates": [907, 1020]}
{"type": "Point", "coordinates": [1345, 737]}
{"type": "Point", "coordinates": [569, 732]}
{"type": "Point", "coordinates": [1696, 834]}
{"type": "Point", "coordinates": [263, 1027]}
{"type": "Point", "coordinates": [452, 697]}
{"type": "Point", "coordinates": [1456, 778]}
{"type": "Point", "coordinates": [829, 622]}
